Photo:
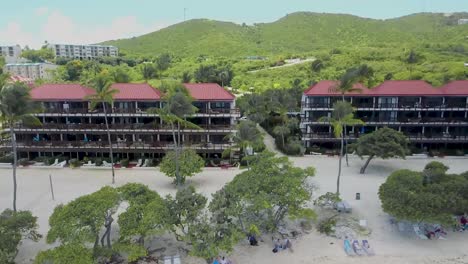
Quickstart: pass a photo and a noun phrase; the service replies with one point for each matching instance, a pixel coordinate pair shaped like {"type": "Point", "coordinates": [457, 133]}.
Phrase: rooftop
{"type": "Point", "coordinates": [393, 88]}
{"type": "Point", "coordinates": [208, 92]}
{"type": "Point", "coordinates": [59, 92]}
{"type": "Point", "coordinates": [136, 92]}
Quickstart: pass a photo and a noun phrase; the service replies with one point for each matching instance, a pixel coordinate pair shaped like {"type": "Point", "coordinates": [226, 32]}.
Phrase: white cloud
{"type": "Point", "coordinates": [56, 27]}
{"type": "Point", "coordinates": [40, 11]}
{"type": "Point", "coordinates": [13, 34]}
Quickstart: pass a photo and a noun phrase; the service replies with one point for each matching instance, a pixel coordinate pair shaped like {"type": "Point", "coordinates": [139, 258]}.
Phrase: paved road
{"type": "Point", "coordinates": [269, 142]}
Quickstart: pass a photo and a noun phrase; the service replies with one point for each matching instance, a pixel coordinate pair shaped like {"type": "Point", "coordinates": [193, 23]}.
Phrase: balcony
{"type": "Point", "coordinates": [103, 146]}
{"type": "Point", "coordinates": [137, 127]}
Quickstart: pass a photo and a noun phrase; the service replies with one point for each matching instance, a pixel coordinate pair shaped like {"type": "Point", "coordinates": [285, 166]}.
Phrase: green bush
{"type": "Point", "coordinates": [74, 163]}
{"type": "Point", "coordinates": [24, 162]}
{"type": "Point", "coordinates": [97, 161]}
{"type": "Point", "coordinates": [327, 226]}
{"type": "Point", "coordinates": [294, 147]}
{"type": "Point", "coordinates": [6, 159]}
{"type": "Point", "coordinates": [124, 163]}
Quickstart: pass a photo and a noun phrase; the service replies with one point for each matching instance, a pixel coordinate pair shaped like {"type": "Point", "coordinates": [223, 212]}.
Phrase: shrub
{"type": "Point", "coordinates": [124, 163]}
{"type": "Point", "coordinates": [97, 161]}
{"type": "Point", "coordinates": [6, 159]}
{"type": "Point", "coordinates": [327, 226]}
{"type": "Point", "coordinates": [24, 162]}
{"type": "Point", "coordinates": [294, 147]}
{"type": "Point", "coordinates": [74, 163]}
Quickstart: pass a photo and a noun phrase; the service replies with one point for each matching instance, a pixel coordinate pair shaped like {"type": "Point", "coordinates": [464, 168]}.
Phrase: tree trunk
{"type": "Point", "coordinates": [282, 137]}
{"type": "Point", "coordinates": [15, 162]}
{"type": "Point", "coordinates": [344, 134]}
{"type": "Point", "coordinates": [96, 241]}
{"type": "Point", "coordinates": [110, 142]}
{"type": "Point", "coordinates": [363, 169]}
{"type": "Point", "coordinates": [176, 150]}
{"type": "Point", "coordinates": [339, 166]}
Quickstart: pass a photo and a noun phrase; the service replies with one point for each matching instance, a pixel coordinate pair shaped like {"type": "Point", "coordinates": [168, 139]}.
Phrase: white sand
{"type": "Point", "coordinates": [390, 245]}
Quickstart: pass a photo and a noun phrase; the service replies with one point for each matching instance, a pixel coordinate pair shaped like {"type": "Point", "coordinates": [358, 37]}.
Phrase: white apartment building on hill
{"type": "Point", "coordinates": [83, 51]}
{"type": "Point", "coordinates": [32, 71]}
{"type": "Point", "coordinates": [11, 53]}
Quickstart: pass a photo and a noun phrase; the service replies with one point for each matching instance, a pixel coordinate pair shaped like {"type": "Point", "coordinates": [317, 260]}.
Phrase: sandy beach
{"type": "Point", "coordinates": [389, 244]}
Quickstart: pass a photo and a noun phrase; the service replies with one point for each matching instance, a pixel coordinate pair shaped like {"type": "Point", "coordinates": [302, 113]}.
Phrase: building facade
{"type": "Point", "coordinates": [32, 71]}
{"type": "Point", "coordinates": [71, 128]}
{"type": "Point", "coordinates": [463, 21]}
{"type": "Point", "coordinates": [430, 117]}
{"type": "Point", "coordinates": [11, 53]}
{"type": "Point", "coordinates": [81, 52]}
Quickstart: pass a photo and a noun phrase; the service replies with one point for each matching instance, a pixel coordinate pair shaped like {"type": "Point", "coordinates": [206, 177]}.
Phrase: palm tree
{"type": "Point", "coordinates": [16, 106]}
{"type": "Point", "coordinates": [347, 85]}
{"type": "Point", "coordinates": [282, 131]}
{"type": "Point", "coordinates": [246, 136]}
{"type": "Point", "coordinates": [178, 106]}
{"type": "Point", "coordinates": [104, 95]}
{"type": "Point", "coordinates": [342, 116]}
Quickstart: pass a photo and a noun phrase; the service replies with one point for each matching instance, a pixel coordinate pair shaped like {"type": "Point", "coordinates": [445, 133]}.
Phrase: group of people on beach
{"type": "Point", "coordinates": [463, 223]}
{"type": "Point", "coordinates": [222, 260]}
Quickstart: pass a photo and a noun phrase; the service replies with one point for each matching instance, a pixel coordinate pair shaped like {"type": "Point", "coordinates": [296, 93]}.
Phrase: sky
{"type": "Point", "coordinates": [93, 21]}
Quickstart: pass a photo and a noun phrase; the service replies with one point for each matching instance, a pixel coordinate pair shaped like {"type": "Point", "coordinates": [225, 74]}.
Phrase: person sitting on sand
{"type": "Point", "coordinates": [223, 261]}
{"type": "Point", "coordinates": [287, 244]}
{"type": "Point", "coordinates": [252, 240]}
{"type": "Point", "coordinates": [464, 223]}
{"type": "Point", "coordinates": [216, 260]}
{"type": "Point", "coordinates": [278, 246]}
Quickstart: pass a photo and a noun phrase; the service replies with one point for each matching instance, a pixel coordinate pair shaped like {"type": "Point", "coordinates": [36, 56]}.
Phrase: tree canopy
{"type": "Point", "coordinates": [407, 195]}
{"type": "Point", "coordinates": [383, 143]}
{"type": "Point", "coordinates": [15, 226]}
{"type": "Point", "coordinates": [189, 162]}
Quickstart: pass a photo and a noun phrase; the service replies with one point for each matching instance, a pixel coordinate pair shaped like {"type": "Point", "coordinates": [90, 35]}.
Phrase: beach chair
{"type": "Point", "coordinates": [348, 248]}
{"type": "Point", "coordinates": [366, 247]}
{"type": "Point", "coordinates": [139, 163]}
{"type": "Point", "coordinates": [106, 164]}
{"type": "Point", "coordinates": [419, 233]}
{"type": "Point", "coordinates": [62, 164]}
{"type": "Point", "coordinates": [56, 162]}
{"type": "Point", "coordinates": [357, 248]}
{"type": "Point", "coordinates": [89, 164]}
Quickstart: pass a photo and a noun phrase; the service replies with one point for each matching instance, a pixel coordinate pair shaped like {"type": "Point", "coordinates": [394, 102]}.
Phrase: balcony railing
{"type": "Point", "coordinates": [438, 137]}
{"type": "Point", "coordinates": [131, 111]}
{"type": "Point", "coordinates": [96, 145]}
{"type": "Point", "coordinates": [137, 126]}
{"type": "Point", "coordinates": [402, 105]}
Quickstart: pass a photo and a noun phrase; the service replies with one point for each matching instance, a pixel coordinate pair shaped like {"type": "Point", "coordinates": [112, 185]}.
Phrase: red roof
{"type": "Point", "coordinates": [393, 88]}
{"type": "Point", "coordinates": [405, 88]}
{"type": "Point", "coordinates": [456, 88]}
{"type": "Point", "coordinates": [329, 88]}
{"type": "Point", "coordinates": [135, 92]}
{"type": "Point", "coordinates": [208, 92]}
{"type": "Point", "coordinates": [60, 92]}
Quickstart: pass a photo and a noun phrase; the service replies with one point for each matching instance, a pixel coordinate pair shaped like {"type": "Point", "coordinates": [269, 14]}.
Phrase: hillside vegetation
{"type": "Point", "coordinates": [425, 46]}
{"type": "Point", "coordinates": [296, 33]}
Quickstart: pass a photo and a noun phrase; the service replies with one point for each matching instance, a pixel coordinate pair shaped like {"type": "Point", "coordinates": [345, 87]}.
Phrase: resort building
{"type": "Point", "coordinates": [81, 52]}
{"type": "Point", "coordinates": [32, 71]}
{"type": "Point", "coordinates": [71, 128]}
{"type": "Point", "coordinates": [11, 53]}
{"type": "Point", "coordinates": [430, 117]}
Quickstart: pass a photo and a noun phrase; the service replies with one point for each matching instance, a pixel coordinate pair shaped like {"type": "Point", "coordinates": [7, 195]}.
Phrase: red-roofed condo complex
{"type": "Point", "coordinates": [71, 128]}
{"type": "Point", "coordinates": [430, 117]}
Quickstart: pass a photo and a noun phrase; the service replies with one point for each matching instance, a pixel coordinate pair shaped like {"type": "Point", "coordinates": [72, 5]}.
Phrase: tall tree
{"type": "Point", "coordinates": [104, 95]}
{"type": "Point", "coordinates": [178, 106]}
{"type": "Point", "coordinates": [347, 84]}
{"type": "Point", "coordinates": [16, 106]}
{"type": "Point", "coordinates": [342, 116]}
{"type": "Point", "coordinates": [384, 143]}
{"type": "Point", "coordinates": [163, 62]}
{"type": "Point", "coordinates": [282, 131]}
{"type": "Point", "coordinates": [14, 226]}
{"type": "Point", "coordinates": [246, 136]}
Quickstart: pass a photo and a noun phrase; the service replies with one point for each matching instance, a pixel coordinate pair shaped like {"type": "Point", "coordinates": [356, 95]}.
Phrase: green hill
{"type": "Point", "coordinates": [296, 33]}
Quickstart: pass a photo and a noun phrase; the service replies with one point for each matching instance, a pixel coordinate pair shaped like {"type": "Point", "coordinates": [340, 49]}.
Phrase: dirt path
{"type": "Point", "coordinates": [285, 65]}
{"type": "Point", "coordinates": [269, 141]}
